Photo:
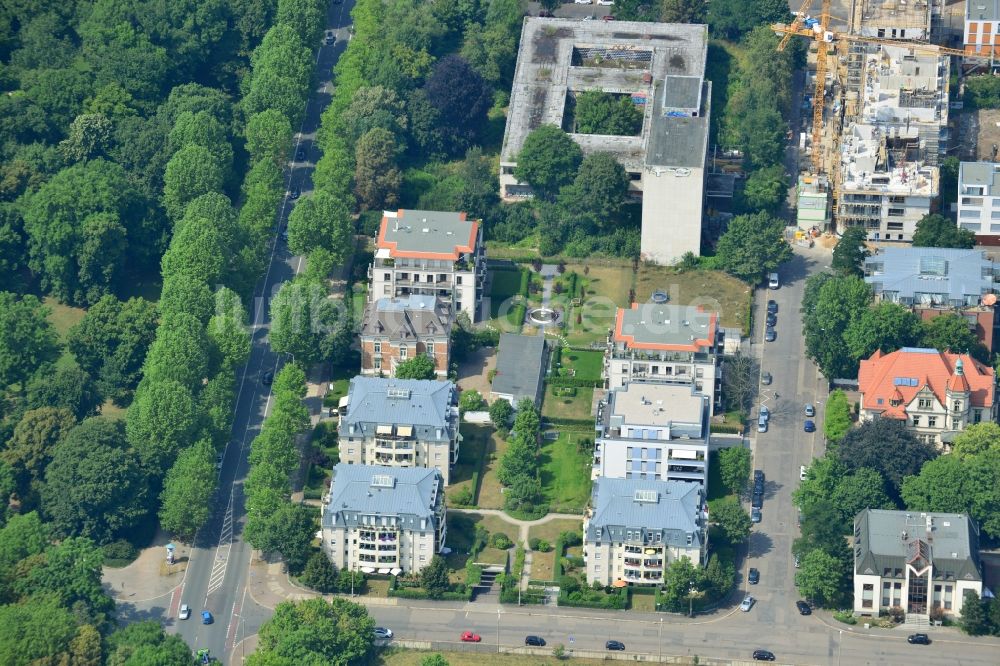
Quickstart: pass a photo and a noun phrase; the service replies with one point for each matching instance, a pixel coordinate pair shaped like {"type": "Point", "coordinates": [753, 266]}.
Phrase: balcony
{"type": "Point", "coordinates": [633, 562]}
{"type": "Point", "coordinates": [657, 564]}
{"type": "Point", "coordinates": [392, 559]}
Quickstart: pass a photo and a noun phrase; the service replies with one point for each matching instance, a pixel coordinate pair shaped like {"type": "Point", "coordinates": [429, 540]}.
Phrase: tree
{"type": "Point", "coordinates": [27, 339]}
{"type": "Point", "coordinates": [935, 230]}
{"type": "Point", "coordinates": [850, 252]}
{"type": "Point", "coordinates": [837, 416]}
{"type": "Point", "coordinates": [753, 245]}
{"type": "Point", "coordinates": [306, 17]}
{"type": "Point", "coordinates": [94, 486]}
{"type": "Point", "coordinates": [820, 578]}
{"type": "Point", "coordinates": [146, 643]}
{"type": "Point", "coordinates": [976, 439]}
{"type": "Point", "coordinates": [70, 572]}
{"type": "Point", "coordinates": [949, 180]}
{"type": "Point", "coordinates": [739, 382]}
{"type": "Point", "coordinates": [828, 312]}
{"type": "Point", "coordinates": [887, 326]}
{"type": "Point", "coordinates": [887, 446]}
{"type": "Point", "coordinates": [289, 531]}
{"type": "Point", "coordinates": [471, 401]}
{"type": "Point", "coordinates": [35, 438]}
{"type": "Point", "coordinates": [453, 78]}
{"type": "Point", "coordinates": [180, 352]}
{"type": "Point", "coordinates": [973, 618]}
{"type": "Point", "coordinates": [371, 107]}
{"type": "Point", "coordinates": [524, 495]}
{"type": "Point", "coordinates": [377, 179]}
{"type": "Point", "coordinates": [734, 468]}
{"type": "Point", "coordinates": [434, 577]}
{"type": "Point", "coordinates": [732, 18]}
{"type": "Point", "coordinates": [185, 503]}
{"type": "Point", "coordinates": [599, 112]}
{"type": "Point", "coordinates": [321, 221]}
{"type": "Point", "coordinates": [682, 11]}
{"type": "Point", "coordinates": [336, 632]}
{"type": "Point", "coordinates": [227, 329]}
{"type": "Point", "coordinates": [418, 367]}
{"type": "Point", "coordinates": [269, 133]}
{"type": "Point", "coordinates": [191, 172]}
{"type": "Point", "coordinates": [732, 519]}
{"type": "Point", "coordinates": [162, 422]}
{"type": "Point", "coordinates": [320, 574]}
{"type": "Point", "coordinates": [302, 319]}
{"type": "Point", "coordinates": [548, 160]}
{"type": "Point", "coordinates": [865, 489]}
{"type": "Point", "coordinates": [89, 137]}
{"type": "Point", "coordinates": [599, 191]}
{"type": "Point", "coordinates": [765, 189]}
{"type": "Point", "coordinates": [500, 413]}
{"type": "Point", "coordinates": [21, 642]}
{"type": "Point", "coordinates": [85, 649]}
{"type": "Point", "coordinates": [951, 332]}
{"type": "Point", "coordinates": [68, 387]}
{"type": "Point", "coordinates": [681, 576]}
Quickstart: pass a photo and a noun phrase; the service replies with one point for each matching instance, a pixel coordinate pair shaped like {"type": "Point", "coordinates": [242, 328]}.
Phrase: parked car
{"type": "Point", "coordinates": [758, 476]}
{"type": "Point", "coordinates": [755, 515]}
{"type": "Point", "coordinates": [765, 412]}
{"type": "Point", "coordinates": [766, 378]}
{"type": "Point", "coordinates": [268, 378]}
{"type": "Point", "coordinates": [206, 617]}
{"type": "Point", "coordinates": [796, 561]}
{"type": "Point", "coordinates": [771, 319]}
{"type": "Point", "coordinates": [615, 645]}
{"type": "Point", "coordinates": [300, 154]}
{"type": "Point", "coordinates": [754, 576]}
{"type": "Point", "coordinates": [918, 639]}
{"type": "Point", "coordinates": [606, 3]}
{"type": "Point", "coordinates": [770, 335]}
{"type": "Point", "coordinates": [773, 282]}
{"type": "Point", "coordinates": [582, 2]}
{"type": "Point", "coordinates": [763, 655]}
{"type": "Point", "coordinates": [810, 426]}
{"type": "Point", "coordinates": [761, 423]}
{"type": "Point", "coordinates": [469, 637]}
{"type": "Point", "coordinates": [295, 193]}
{"type": "Point", "coordinates": [218, 460]}
{"type": "Point", "coordinates": [185, 612]}
{"type": "Point", "coordinates": [757, 501]}
{"type": "Point", "coordinates": [803, 471]}
{"type": "Point", "coordinates": [772, 306]}
{"type": "Point", "coordinates": [810, 410]}
{"type": "Point", "coordinates": [747, 604]}
{"type": "Point", "coordinates": [537, 641]}
{"type": "Point", "coordinates": [803, 607]}
{"type": "Point", "coordinates": [383, 633]}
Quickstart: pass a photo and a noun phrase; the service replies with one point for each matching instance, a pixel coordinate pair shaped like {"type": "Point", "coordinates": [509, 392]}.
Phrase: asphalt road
{"type": "Point", "coordinates": [216, 576]}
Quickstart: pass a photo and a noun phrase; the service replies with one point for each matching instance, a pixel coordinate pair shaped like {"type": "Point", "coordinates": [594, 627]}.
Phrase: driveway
{"type": "Point", "coordinates": [473, 372]}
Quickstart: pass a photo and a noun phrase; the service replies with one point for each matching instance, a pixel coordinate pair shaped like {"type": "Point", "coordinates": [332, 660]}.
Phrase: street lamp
{"type": "Point", "coordinates": [659, 641]}
{"type": "Point", "coordinates": [840, 646]}
{"type": "Point", "coordinates": [498, 631]}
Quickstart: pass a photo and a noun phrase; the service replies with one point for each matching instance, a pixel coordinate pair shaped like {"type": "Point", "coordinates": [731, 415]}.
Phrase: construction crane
{"type": "Point", "coordinates": [817, 29]}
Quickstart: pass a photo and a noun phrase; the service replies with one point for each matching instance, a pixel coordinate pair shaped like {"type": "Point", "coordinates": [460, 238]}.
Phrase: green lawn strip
{"type": "Point", "coordinates": [576, 407]}
{"type": "Point", "coordinates": [473, 450]}
{"type": "Point", "coordinates": [565, 472]}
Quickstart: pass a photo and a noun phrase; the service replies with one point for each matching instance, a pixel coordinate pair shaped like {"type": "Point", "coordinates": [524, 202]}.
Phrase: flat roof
{"type": "Point", "coordinates": [897, 14]}
{"type": "Point", "coordinates": [985, 174]}
{"type": "Point", "coordinates": [520, 366]}
{"type": "Point", "coordinates": [427, 234]}
{"type": "Point", "coordinates": [982, 10]}
{"type": "Point", "coordinates": [666, 327]}
{"type": "Point", "coordinates": [655, 63]}
{"type": "Point", "coordinates": [648, 403]}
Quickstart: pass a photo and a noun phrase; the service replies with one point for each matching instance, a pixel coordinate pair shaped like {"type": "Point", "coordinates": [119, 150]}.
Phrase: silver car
{"type": "Point", "coordinates": [747, 604]}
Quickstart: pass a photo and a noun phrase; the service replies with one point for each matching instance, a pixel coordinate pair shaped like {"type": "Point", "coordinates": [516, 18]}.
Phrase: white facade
{"type": "Point", "coordinates": [979, 198]}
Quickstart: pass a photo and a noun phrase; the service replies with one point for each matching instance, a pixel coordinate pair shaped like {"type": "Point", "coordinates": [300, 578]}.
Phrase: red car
{"type": "Point", "coordinates": [469, 637]}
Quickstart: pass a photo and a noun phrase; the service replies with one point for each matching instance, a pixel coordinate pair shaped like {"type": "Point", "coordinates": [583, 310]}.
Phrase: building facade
{"type": "Point", "coordinates": [668, 344]}
{"type": "Point", "coordinates": [633, 529]}
{"type": "Point", "coordinates": [394, 330]}
{"type": "Point", "coordinates": [384, 520]}
{"type": "Point", "coordinates": [429, 253]}
{"type": "Point", "coordinates": [935, 393]}
{"type": "Point", "coordinates": [934, 281]}
{"type": "Point", "coordinates": [979, 200]}
{"type": "Point", "coordinates": [654, 432]}
{"type": "Point", "coordinates": [982, 28]}
{"type": "Point", "coordinates": [401, 423]}
{"type": "Point", "coordinates": [914, 561]}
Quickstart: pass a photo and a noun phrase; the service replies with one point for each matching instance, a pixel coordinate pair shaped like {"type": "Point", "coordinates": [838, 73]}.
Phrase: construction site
{"type": "Point", "coordinates": [879, 122]}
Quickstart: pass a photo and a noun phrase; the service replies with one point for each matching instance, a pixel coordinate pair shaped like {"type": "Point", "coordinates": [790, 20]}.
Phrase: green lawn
{"type": "Point", "coordinates": [504, 285]}
{"type": "Point", "coordinates": [63, 317]}
{"type": "Point", "coordinates": [551, 530]}
{"type": "Point", "coordinates": [476, 443]}
{"type": "Point", "coordinates": [587, 364]}
{"type": "Point", "coordinates": [490, 496]}
{"type": "Point", "coordinates": [359, 297]}
{"type": "Point", "coordinates": [713, 289]}
{"type": "Point", "coordinates": [543, 565]}
{"type": "Point", "coordinates": [563, 407]}
{"type": "Point", "coordinates": [565, 471]}
{"type": "Point", "coordinates": [400, 657]}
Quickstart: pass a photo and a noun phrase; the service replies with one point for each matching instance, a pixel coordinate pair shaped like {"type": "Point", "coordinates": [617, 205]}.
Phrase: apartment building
{"type": "Point", "coordinates": [401, 423]}
{"type": "Point", "coordinates": [895, 127]}
{"type": "Point", "coordinates": [979, 200]}
{"type": "Point", "coordinates": [659, 67]}
{"type": "Point", "coordinates": [430, 253]}
{"type": "Point", "coordinates": [634, 529]}
{"type": "Point", "coordinates": [935, 393]}
{"type": "Point", "coordinates": [914, 561]}
{"type": "Point", "coordinates": [648, 431]}
{"type": "Point", "coordinates": [382, 519]}
{"type": "Point", "coordinates": [394, 330]}
{"type": "Point", "coordinates": [932, 281]}
{"type": "Point", "coordinates": [674, 344]}
{"type": "Point", "coordinates": [981, 35]}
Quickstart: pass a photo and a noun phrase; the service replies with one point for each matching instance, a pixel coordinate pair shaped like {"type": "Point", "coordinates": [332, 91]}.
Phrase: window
{"type": "Point", "coordinates": [423, 558]}
{"type": "Point", "coordinates": [956, 406]}
{"type": "Point", "coordinates": [378, 347]}
{"type": "Point", "coordinates": [896, 212]}
{"type": "Point", "coordinates": [972, 201]}
{"type": "Point", "coordinates": [931, 421]}
{"type": "Point", "coordinates": [350, 451]}
{"type": "Point", "coordinates": [977, 416]}
{"type": "Point", "coordinates": [916, 421]}
{"type": "Point", "coordinates": [388, 276]}
{"type": "Point", "coordinates": [423, 546]}
{"type": "Point", "coordinates": [886, 593]}
{"type": "Point", "coordinates": [597, 567]}
{"type": "Point", "coordinates": [597, 556]}
{"type": "Point", "coordinates": [333, 542]}
{"type": "Point", "coordinates": [458, 279]}
{"type": "Point", "coordinates": [378, 364]}
{"type": "Point", "coordinates": [867, 594]}
{"type": "Point", "coordinates": [402, 353]}
{"type": "Point", "coordinates": [924, 403]}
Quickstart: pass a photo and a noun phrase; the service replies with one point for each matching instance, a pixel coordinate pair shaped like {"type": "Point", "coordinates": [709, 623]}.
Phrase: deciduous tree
{"type": "Point", "coordinates": [377, 179]}
{"type": "Point", "coordinates": [193, 171]}
{"type": "Point", "coordinates": [887, 446]}
{"type": "Point", "coordinates": [336, 632]}
{"type": "Point", "coordinates": [599, 190]}
{"type": "Point", "coordinates": [27, 339]}
{"type": "Point", "coordinates": [837, 416]}
{"type": "Point", "coordinates": [321, 221]}
{"type": "Point", "coordinates": [599, 112]}
{"type": "Point", "coordinates": [820, 578]}
{"type": "Point", "coordinates": [35, 438]}
{"type": "Point", "coordinates": [950, 332]}
{"type": "Point", "coordinates": [935, 230]}
{"type": "Point", "coordinates": [434, 577]}
{"type": "Point", "coordinates": [162, 422]}
{"type": "Point", "coordinates": [68, 387]}
{"type": "Point", "coordinates": [765, 189]}
{"type": "Point", "coordinates": [453, 78]}
{"type": "Point", "coordinates": [732, 519]}
{"type": "Point", "coordinates": [734, 468]}
{"type": "Point", "coordinates": [418, 367]}
{"type": "Point", "coordinates": [753, 245]}
{"type": "Point", "coordinates": [269, 134]}
{"type": "Point", "coordinates": [548, 160]}
{"type": "Point", "coordinates": [850, 252]}
{"type": "Point", "coordinates": [886, 326]}
{"type": "Point", "coordinates": [828, 312]}
{"type": "Point", "coordinates": [185, 503]}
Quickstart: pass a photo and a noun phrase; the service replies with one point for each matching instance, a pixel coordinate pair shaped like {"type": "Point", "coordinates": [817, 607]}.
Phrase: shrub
{"type": "Point", "coordinates": [471, 401]}
{"type": "Point", "coordinates": [571, 538]}
{"type": "Point", "coordinates": [845, 616]}
{"type": "Point", "coordinates": [479, 539]}
{"type": "Point", "coordinates": [473, 574]}
{"type": "Point", "coordinates": [120, 550]}
{"type": "Point", "coordinates": [500, 540]}
{"type": "Point", "coordinates": [540, 545]}
{"type": "Point", "coordinates": [896, 613]}
{"type": "Point", "coordinates": [568, 584]}
{"type": "Point", "coordinates": [462, 496]}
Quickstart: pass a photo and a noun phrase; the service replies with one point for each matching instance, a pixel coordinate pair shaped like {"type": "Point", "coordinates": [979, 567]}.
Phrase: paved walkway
{"type": "Point", "coordinates": [149, 576]}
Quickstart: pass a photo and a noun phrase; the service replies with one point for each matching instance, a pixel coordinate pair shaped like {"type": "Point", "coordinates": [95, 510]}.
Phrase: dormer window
{"type": "Point", "coordinates": [895, 403]}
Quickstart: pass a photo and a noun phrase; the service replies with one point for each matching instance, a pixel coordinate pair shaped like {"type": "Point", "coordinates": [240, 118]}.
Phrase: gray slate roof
{"type": "Point", "coordinates": [981, 173]}
{"type": "Point", "coordinates": [407, 318]}
{"type": "Point", "coordinates": [954, 273]}
{"type": "Point", "coordinates": [520, 366]}
{"type": "Point", "coordinates": [879, 544]}
{"type": "Point", "coordinates": [414, 495]}
{"type": "Point", "coordinates": [424, 404]}
{"type": "Point", "coordinates": [675, 513]}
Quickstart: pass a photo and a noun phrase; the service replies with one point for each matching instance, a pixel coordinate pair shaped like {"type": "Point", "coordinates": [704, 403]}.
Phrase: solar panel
{"type": "Point", "coordinates": [647, 496]}
{"type": "Point", "coordinates": [398, 393]}
{"type": "Point", "coordinates": [383, 481]}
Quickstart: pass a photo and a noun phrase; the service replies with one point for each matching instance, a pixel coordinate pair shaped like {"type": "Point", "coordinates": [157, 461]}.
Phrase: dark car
{"type": "Point", "coordinates": [772, 319]}
{"type": "Point", "coordinates": [329, 37]}
{"type": "Point", "coordinates": [758, 475]}
{"type": "Point", "coordinates": [206, 617]}
{"type": "Point", "coordinates": [537, 641]}
{"type": "Point", "coordinates": [295, 193]}
{"type": "Point", "coordinates": [754, 576]}
{"type": "Point", "coordinates": [615, 645]}
{"type": "Point", "coordinates": [766, 378]}
{"type": "Point", "coordinates": [918, 639]}
{"type": "Point", "coordinates": [300, 154]}
{"type": "Point", "coordinates": [803, 608]}
{"type": "Point", "coordinates": [757, 501]}
{"type": "Point", "coordinates": [772, 307]}
{"type": "Point", "coordinates": [267, 378]}
{"type": "Point", "coordinates": [763, 655]}
{"type": "Point", "coordinates": [755, 515]}
{"type": "Point", "coordinates": [810, 426]}
{"type": "Point", "coordinates": [545, 14]}
{"type": "Point", "coordinates": [770, 335]}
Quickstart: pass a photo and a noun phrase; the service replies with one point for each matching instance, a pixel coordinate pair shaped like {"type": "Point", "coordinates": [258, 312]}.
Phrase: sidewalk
{"type": "Point", "coordinates": [148, 577]}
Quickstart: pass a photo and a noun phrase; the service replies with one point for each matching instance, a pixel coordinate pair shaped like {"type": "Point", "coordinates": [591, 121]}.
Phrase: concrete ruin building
{"type": "Point", "coordinates": [895, 128]}
{"type": "Point", "coordinates": [661, 67]}
{"type": "Point", "coordinates": [892, 19]}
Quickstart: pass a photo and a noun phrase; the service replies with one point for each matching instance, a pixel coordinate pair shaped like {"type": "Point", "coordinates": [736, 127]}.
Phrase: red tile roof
{"type": "Point", "coordinates": [881, 377]}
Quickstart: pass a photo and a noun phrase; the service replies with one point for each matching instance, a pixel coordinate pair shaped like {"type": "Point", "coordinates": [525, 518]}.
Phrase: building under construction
{"type": "Point", "coordinates": [892, 19]}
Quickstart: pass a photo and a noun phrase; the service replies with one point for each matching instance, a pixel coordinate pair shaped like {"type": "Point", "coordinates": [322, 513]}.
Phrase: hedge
{"type": "Point", "coordinates": [586, 598]}
{"type": "Point", "coordinates": [420, 593]}
{"type": "Point", "coordinates": [560, 548]}
{"type": "Point", "coordinates": [525, 281]}
{"type": "Point", "coordinates": [572, 424]}
{"type": "Point", "coordinates": [726, 428]}
{"type": "Point", "coordinates": [577, 382]}
{"type": "Point", "coordinates": [473, 574]}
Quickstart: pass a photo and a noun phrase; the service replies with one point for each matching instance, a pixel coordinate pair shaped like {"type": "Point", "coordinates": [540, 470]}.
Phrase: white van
{"type": "Point", "coordinates": [772, 281]}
